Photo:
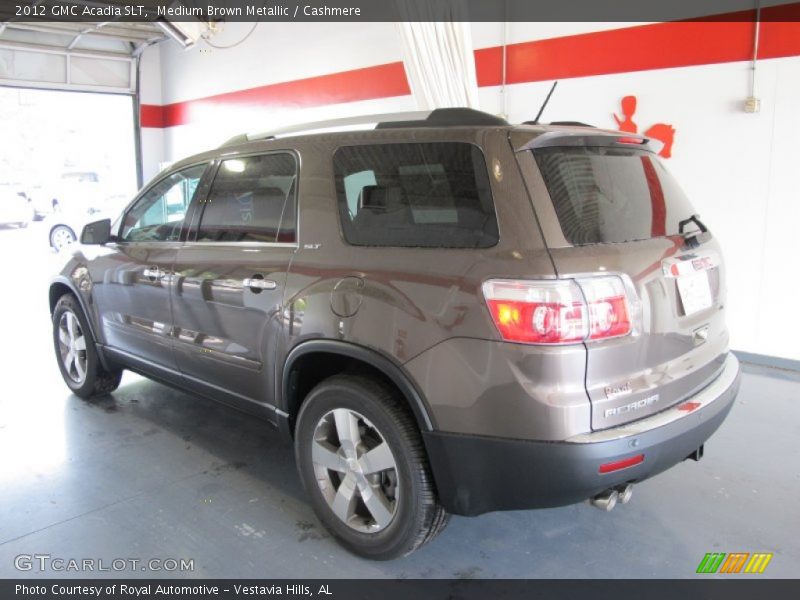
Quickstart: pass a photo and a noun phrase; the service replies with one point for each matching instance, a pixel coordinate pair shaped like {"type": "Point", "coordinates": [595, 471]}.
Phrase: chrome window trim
{"type": "Point", "coordinates": [245, 244]}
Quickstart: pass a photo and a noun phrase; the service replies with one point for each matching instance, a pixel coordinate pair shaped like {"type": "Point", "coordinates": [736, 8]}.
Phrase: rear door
{"type": "Point", "coordinates": [608, 206]}
{"type": "Point", "coordinates": [231, 275]}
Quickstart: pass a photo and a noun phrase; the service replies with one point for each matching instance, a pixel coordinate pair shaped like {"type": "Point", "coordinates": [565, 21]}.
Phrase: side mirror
{"type": "Point", "coordinates": [98, 232]}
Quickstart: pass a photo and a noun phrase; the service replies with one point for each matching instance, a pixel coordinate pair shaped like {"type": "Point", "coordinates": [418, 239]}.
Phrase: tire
{"type": "Point", "coordinates": [400, 511]}
{"type": "Point", "coordinates": [76, 353]}
{"type": "Point", "coordinates": [62, 236]}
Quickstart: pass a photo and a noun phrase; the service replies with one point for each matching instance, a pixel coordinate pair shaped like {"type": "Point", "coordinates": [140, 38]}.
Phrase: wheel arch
{"type": "Point", "coordinates": [60, 286]}
{"type": "Point", "coordinates": [316, 360]}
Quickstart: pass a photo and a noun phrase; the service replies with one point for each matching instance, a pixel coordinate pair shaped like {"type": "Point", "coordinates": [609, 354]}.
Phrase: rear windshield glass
{"type": "Point", "coordinates": [604, 195]}
{"type": "Point", "coordinates": [429, 195]}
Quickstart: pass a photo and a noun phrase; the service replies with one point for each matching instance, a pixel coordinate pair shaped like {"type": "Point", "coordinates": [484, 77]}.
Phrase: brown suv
{"type": "Point", "coordinates": [445, 313]}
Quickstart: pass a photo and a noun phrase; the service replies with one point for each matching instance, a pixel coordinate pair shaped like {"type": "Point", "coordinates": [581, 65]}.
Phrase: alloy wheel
{"type": "Point", "coordinates": [355, 470]}
{"type": "Point", "coordinates": [72, 347]}
{"type": "Point", "coordinates": [61, 237]}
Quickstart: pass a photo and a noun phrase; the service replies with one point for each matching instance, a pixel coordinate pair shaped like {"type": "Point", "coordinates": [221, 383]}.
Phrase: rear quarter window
{"type": "Point", "coordinates": [429, 195]}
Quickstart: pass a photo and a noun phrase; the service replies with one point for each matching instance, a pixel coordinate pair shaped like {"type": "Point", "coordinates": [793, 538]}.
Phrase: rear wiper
{"type": "Point", "coordinates": [694, 238]}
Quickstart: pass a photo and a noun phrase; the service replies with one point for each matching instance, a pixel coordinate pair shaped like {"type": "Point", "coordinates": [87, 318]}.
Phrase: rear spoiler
{"type": "Point", "coordinates": [522, 141]}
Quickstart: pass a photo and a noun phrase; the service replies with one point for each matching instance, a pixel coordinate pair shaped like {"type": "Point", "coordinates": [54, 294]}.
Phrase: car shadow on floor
{"type": "Point", "coordinates": [235, 440]}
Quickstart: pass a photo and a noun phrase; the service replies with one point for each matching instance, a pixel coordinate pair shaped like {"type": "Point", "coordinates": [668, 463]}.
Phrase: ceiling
{"type": "Point", "coordinates": [113, 36]}
{"type": "Point", "coordinates": [72, 55]}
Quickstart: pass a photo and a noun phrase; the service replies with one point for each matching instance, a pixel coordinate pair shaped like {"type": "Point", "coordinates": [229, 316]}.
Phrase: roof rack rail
{"type": "Point", "coordinates": [440, 117]}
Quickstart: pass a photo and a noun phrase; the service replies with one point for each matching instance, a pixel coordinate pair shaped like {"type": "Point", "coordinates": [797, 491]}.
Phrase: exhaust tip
{"type": "Point", "coordinates": [696, 455]}
{"type": "Point", "coordinates": [625, 493]}
{"type": "Point", "coordinates": [606, 500]}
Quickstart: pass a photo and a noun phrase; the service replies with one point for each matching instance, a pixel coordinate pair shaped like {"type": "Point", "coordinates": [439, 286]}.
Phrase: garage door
{"type": "Point", "coordinates": [98, 57]}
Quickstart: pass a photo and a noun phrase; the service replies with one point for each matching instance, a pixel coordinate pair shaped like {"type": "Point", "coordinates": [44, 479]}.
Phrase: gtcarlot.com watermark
{"type": "Point", "coordinates": [46, 563]}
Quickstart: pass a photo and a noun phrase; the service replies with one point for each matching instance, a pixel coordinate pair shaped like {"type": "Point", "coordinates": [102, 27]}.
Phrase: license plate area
{"type": "Point", "coordinates": [694, 290]}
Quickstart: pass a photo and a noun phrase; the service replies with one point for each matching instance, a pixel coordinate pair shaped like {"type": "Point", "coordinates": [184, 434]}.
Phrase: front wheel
{"type": "Point", "coordinates": [62, 236]}
{"type": "Point", "coordinates": [362, 461]}
{"type": "Point", "coordinates": [76, 353]}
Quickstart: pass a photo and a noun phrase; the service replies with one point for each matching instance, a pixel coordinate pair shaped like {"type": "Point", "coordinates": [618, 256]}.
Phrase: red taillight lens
{"type": "Point", "coordinates": [537, 312]}
{"type": "Point", "coordinates": [625, 463]}
{"type": "Point", "coordinates": [539, 323]}
{"type": "Point", "coordinates": [630, 140]}
{"type": "Point", "coordinates": [609, 318]}
{"type": "Point", "coordinates": [559, 312]}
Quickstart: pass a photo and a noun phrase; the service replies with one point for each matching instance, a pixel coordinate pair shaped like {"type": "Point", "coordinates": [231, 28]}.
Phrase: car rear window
{"type": "Point", "coordinates": [610, 194]}
{"type": "Point", "coordinates": [431, 195]}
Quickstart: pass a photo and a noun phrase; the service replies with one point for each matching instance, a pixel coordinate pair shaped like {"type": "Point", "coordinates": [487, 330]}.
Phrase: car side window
{"type": "Point", "coordinates": [159, 214]}
{"type": "Point", "coordinates": [252, 199]}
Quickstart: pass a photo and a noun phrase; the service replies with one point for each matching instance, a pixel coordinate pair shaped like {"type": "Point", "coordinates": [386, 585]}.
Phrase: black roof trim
{"type": "Point", "coordinates": [449, 117]}
{"type": "Point", "coordinates": [571, 124]}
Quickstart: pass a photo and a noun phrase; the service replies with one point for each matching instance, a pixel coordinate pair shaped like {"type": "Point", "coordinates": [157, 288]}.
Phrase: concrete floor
{"type": "Point", "coordinates": [155, 473]}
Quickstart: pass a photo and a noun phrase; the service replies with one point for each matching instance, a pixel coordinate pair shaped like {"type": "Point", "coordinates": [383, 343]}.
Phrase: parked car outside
{"type": "Point", "coordinates": [447, 314]}
{"type": "Point", "coordinates": [15, 209]}
{"type": "Point", "coordinates": [64, 225]}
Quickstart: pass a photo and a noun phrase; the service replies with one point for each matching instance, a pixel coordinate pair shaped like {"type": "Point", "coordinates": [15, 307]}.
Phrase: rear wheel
{"type": "Point", "coordinates": [76, 353]}
{"type": "Point", "coordinates": [362, 461]}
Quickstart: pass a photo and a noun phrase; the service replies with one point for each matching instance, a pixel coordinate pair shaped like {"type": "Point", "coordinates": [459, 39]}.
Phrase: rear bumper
{"type": "Point", "coordinates": [478, 474]}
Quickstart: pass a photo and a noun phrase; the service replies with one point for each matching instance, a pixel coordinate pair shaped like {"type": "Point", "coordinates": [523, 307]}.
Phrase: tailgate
{"type": "Point", "coordinates": [607, 206]}
{"type": "Point", "coordinates": [676, 352]}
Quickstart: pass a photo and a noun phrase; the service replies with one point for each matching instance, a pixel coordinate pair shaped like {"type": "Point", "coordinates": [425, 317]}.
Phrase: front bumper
{"type": "Point", "coordinates": [478, 474]}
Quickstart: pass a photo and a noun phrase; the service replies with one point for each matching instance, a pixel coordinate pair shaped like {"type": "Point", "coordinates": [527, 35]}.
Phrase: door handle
{"type": "Point", "coordinates": [257, 284]}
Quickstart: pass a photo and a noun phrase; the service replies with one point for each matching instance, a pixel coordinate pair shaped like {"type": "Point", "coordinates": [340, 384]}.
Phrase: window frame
{"type": "Point", "coordinates": [187, 220]}
{"type": "Point", "coordinates": [489, 179]}
{"type": "Point", "coordinates": [200, 204]}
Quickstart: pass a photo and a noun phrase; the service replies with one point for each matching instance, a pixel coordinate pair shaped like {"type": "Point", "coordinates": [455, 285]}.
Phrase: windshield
{"type": "Point", "coordinates": [610, 194]}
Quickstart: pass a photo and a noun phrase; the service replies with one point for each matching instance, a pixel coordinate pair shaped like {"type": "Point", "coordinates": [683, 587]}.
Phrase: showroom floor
{"type": "Point", "coordinates": [155, 473]}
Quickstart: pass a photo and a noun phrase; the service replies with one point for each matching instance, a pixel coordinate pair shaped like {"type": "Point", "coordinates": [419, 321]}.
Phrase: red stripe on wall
{"type": "Point", "coordinates": [639, 48]}
{"type": "Point", "coordinates": [151, 115]}
{"type": "Point", "coordinates": [382, 81]}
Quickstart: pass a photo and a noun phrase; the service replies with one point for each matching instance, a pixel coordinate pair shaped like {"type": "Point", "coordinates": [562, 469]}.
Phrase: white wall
{"type": "Point", "coordinates": [738, 168]}
{"type": "Point", "coordinates": [275, 53]}
{"type": "Point", "coordinates": [152, 138]}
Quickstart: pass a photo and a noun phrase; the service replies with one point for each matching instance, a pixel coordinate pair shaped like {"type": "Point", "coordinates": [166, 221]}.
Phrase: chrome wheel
{"type": "Point", "coordinates": [61, 237]}
{"type": "Point", "coordinates": [72, 347]}
{"type": "Point", "coordinates": [355, 470]}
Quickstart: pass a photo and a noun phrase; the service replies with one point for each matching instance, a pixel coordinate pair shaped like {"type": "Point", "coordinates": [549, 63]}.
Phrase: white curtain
{"type": "Point", "coordinates": [438, 55]}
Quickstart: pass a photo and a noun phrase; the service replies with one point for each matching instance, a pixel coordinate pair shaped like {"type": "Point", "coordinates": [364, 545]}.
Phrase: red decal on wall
{"type": "Point", "coordinates": [660, 131]}
{"type": "Point", "coordinates": [664, 133]}
{"type": "Point", "coordinates": [626, 124]}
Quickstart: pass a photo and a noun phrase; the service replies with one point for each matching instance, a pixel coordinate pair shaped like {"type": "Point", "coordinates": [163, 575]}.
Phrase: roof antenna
{"type": "Point", "coordinates": [544, 104]}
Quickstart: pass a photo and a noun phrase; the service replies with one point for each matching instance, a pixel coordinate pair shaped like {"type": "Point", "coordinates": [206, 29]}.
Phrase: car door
{"type": "Point", "coordinates": [230, 277]}
{"type": "Point", "coordinates": [133, 278]}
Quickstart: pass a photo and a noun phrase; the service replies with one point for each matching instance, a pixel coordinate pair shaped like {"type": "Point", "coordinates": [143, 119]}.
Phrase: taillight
{"type": "Point", "coordinates": [559, 312]}
{"type": "Point", "coordinates": [542, 312]}
{"type": "Point", "coordinates": [631, 140]}
{"type": "Point", "coordinates": [609, 315]}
